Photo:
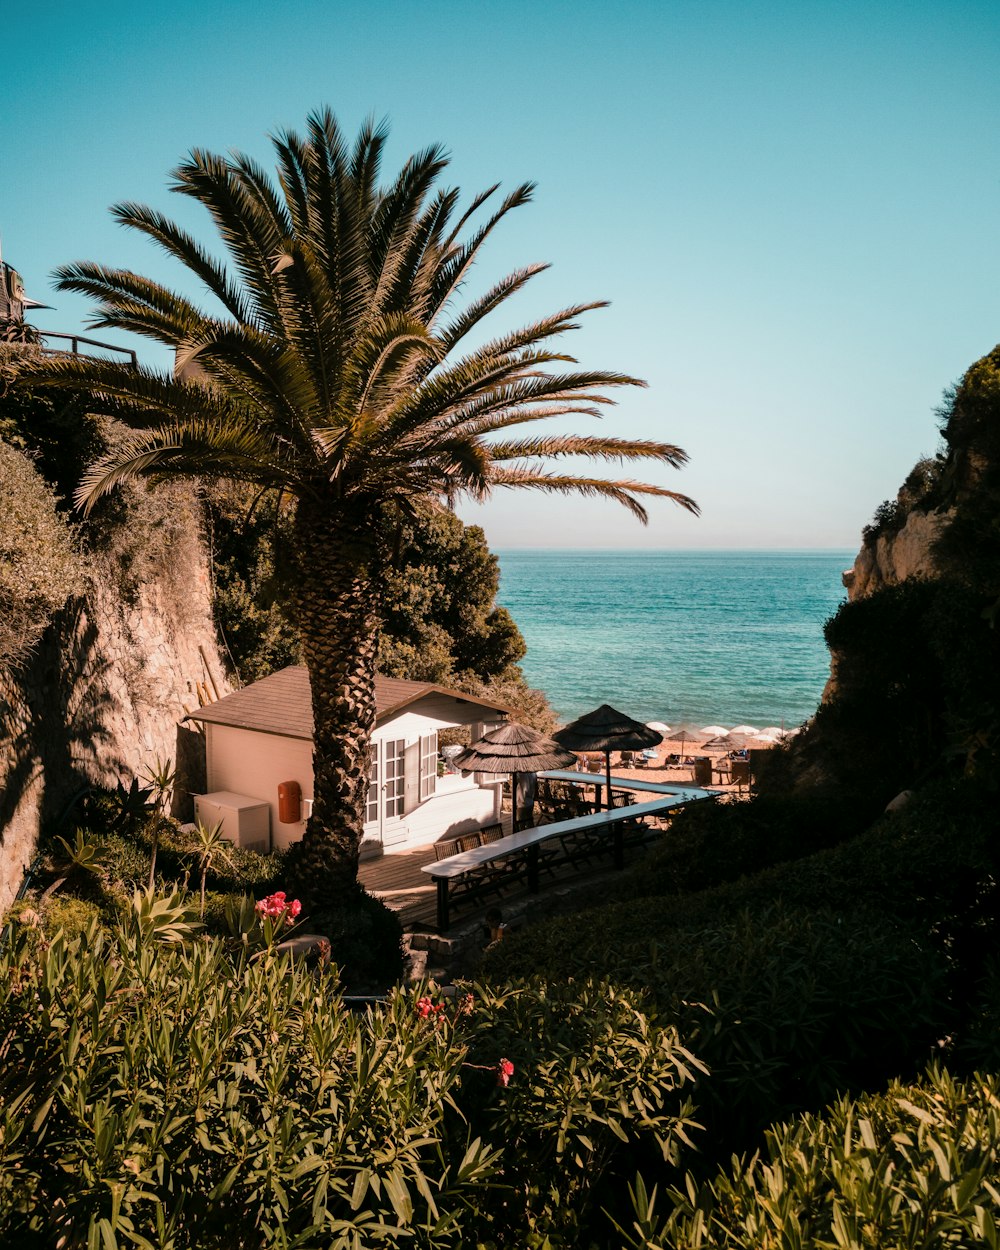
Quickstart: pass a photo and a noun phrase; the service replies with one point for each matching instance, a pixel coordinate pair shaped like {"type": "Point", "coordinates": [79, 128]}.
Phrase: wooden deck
{"type": "Point", "coordinates": [398, 881]}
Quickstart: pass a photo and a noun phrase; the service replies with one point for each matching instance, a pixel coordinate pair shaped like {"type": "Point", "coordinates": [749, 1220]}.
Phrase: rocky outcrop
{"type": "Point", "coordinates": [894, 557]}
{"type": "Point", "coordinates": [105, 692]}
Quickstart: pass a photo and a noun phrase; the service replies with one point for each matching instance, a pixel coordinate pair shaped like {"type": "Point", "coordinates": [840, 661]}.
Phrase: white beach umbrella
{"type": "Point", "coordinates": [749, 730]}
{"type": "Point", "coordinates": [772, 731]}
{"type": "Point", "coordinates": [659, 726]}
{"type": "Point", "coordinates": [714, 731]}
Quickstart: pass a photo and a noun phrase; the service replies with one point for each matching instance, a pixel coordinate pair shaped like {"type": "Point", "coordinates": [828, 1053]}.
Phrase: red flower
{"type": "Point", "coordinates": [276, 906]}
{"type": "Point", "coordinates": [505, 1070]}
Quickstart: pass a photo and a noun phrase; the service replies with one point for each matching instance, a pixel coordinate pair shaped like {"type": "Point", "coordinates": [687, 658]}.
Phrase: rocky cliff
{"type": "Point", "coordinates": [889, 558]}
{"type": "Point", "coordinates": [105, 692]}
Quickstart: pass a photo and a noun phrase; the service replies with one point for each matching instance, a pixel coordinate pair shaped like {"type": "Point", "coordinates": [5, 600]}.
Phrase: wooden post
{"type": "Point", "coordinates": [442, 904]}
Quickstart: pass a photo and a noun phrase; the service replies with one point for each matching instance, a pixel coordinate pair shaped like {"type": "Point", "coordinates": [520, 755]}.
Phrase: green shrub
{"type": "Point", "coordinates": [917, 689]}
{"type": "Point", "coordinates": [165, 1093]}
{"type": "Point", "coordinates": [182, 1094]}
{"type": "Point", "coordinates": [39, 563]}
{"type": "Point", "coordinates": [915, 1166]}
{"type": "Point", "coordinates": [784, 1006]}
{"type": "Point", "coordinates": [711, 843]}
{"type": "Point", "coordinates": [366, 939]}
{"type": "Point", "coordinates": [71, 915]}
{"type": "Point", "coordinates": [598, 1088]}
{"type": "Point", "coordinates": [42, 920]}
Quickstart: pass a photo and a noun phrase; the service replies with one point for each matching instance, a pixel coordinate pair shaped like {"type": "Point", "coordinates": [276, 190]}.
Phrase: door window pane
{"type": "Point", "coordinates": [395, 772]}
{"type": "Point", "coordinates": [371, 805]}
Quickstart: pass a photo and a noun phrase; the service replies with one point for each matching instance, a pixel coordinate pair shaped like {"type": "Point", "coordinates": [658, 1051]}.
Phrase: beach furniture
{"type": "Point", "coordinates": [701, 770]}
{"type": "Point", "coordinates": [474, 874]}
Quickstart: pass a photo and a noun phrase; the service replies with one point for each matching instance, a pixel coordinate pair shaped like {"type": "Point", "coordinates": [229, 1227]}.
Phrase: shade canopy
{"type": "Point", "coordinates": [745, 729]}
{"type": "Point", "coordinates": [686, 733]}
{"type": "Point", "coordinates": [731, 741]}
{"type": "Point", "coordinates": [714, 731]}
{"type": "Point", "coordinates": [605, 729]}
{"type": "Point", "coordinates": [659, 726]}
{"type": "Point", "coordinates": [513, 748]}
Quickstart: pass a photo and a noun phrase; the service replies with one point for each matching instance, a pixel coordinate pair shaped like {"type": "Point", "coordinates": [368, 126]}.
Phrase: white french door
{"type": "Point", "coordinates": [386, 791]}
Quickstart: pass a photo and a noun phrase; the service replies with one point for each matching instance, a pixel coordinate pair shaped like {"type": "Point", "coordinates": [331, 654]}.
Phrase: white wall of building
{"type": "Point", "coordinates": [254, 764]}
{"type": "Point", "coordinates": [250, 763]}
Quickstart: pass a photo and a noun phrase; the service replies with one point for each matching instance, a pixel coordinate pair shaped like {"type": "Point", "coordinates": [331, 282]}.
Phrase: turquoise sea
{"type": "Point", "coordinates": [726, 637]}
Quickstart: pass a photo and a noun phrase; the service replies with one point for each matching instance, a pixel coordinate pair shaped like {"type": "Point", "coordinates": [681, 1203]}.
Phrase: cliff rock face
{"type": "Point", "coordinates": [106, 691]}
{"type": "Point", "coordinates": [892, 558]}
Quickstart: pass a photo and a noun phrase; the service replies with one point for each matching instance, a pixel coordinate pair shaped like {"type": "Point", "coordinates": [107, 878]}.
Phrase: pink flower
{"type": "Point", "coordinates": [424, 1007]}
{"type": "Point", "coordinates": [465, 1005]}
{"type": "Point", "coordinates": [276, 907]}
{"type": "Point", "coordinates": [505, 1070]}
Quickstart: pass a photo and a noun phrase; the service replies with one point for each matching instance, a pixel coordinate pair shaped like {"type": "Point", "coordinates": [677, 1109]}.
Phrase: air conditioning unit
{"type": "Point", "coordinates": [246, 821]}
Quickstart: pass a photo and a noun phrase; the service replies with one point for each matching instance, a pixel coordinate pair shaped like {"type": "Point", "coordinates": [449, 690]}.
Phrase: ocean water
{"type": "Point", "coordinates": [727, 637]}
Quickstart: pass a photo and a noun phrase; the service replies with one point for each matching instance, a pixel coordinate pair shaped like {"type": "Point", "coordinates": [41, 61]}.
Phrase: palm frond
{"type": "Point", "coordinates": [187, 448]}
{"type": "Point", "coordinates": [183, 247]}
{"type": "Point", "coordinates": [592, 447]}
{"type": "Point", "coordinates": [623, 492]}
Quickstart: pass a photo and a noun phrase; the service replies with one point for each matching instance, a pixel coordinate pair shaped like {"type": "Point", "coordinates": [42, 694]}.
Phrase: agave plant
{"type": "Point", "coordinates": [82, 857]}
{"type": "Point", "coordinates": [334, 370]}
{"type": "Point", "coordinates": [162, 777]}
{"type": "Point", "coordinates": [166, 918]}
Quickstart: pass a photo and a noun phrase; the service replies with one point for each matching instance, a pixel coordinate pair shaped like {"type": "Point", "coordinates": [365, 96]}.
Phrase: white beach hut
{"type": "Point", "coordinates": [260, 775]}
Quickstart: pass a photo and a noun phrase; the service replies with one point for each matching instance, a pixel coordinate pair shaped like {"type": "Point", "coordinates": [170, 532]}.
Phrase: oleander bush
{"type": "Point", "coordinates": [160, 1089]}
{"type": "Point", "coordinates": [182, 1097]}
{"type": "Point", "coordinates": [917, 1165]}
{"type": "Point", "coordinates": [601, 1088]}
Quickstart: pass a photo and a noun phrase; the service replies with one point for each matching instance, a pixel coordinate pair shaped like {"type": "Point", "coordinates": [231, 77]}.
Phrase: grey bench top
{"type": "Point", "coordinates": [456, 865]}
{"type": "Point", "coordinates": [691, 793]}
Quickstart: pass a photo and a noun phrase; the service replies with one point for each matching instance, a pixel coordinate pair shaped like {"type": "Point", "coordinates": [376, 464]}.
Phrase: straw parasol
{"type": "Point", "coordinates": [606, 730]}
{"type": "Point", "coordinates": [513, 748]}
{"type": "Point", "coordinates": [731, 741]}
{"type": "Point", "coordinates": [686, 733]}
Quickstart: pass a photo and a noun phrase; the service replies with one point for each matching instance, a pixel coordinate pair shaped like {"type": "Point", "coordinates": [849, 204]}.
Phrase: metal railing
{"type": "Point", "coordinates": [75, 340]}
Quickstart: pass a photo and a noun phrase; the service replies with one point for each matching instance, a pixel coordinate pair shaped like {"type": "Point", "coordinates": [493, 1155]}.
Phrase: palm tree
{"type": "Point", "coordinates": [334, 374]}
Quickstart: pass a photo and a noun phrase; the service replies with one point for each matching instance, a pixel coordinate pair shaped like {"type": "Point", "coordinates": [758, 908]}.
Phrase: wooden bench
{"type": "Point", "coordinates": [474, 873]}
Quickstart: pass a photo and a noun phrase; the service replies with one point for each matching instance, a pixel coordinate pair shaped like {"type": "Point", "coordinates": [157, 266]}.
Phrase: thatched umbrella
{"type": "Point", "coordinates": [513, 748]}
{"type": "Point", "coordinates": [606, 730]}
{"type": "Point", "coordinates": [684, 734]}
{"type": "Point", "coordinates": [731, 741]}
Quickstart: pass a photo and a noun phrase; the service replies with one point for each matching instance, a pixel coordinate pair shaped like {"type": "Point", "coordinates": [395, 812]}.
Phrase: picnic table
{"type": "Point", "coordinates": [691, 794]}
{"type": "Point", "coordinates": [528, 842]}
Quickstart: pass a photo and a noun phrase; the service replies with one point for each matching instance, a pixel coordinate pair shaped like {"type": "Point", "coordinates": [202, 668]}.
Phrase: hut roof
{"type": "Point", "coordinates": [282, 703]}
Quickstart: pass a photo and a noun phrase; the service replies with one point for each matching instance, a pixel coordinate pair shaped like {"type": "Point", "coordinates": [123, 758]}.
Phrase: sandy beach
{"type": "Point", "coordinates": [681, 773]}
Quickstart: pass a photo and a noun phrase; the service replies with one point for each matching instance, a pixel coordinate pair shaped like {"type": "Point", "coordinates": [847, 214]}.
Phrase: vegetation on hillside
{"type": "Point", "coordinates": [38, 559]}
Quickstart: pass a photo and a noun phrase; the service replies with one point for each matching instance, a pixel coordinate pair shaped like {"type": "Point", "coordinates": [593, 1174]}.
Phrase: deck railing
{"type": "Point", "coordinates": [74, 341]}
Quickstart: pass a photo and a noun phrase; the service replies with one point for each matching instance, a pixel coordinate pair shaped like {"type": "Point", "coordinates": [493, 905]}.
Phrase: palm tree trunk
{"type": "Point", "coordinates": [336, 609]}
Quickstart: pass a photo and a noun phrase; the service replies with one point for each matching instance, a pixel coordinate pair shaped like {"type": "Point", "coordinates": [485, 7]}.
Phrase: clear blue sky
{"type": "Point", "coordinates": [793, 207]}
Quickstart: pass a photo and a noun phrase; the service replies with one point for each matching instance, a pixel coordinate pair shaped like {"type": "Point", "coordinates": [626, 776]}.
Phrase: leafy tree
{"type": "Point", "coordinates": [438, 606]}
{"type": "Point", "coordinates": [333, 374]}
